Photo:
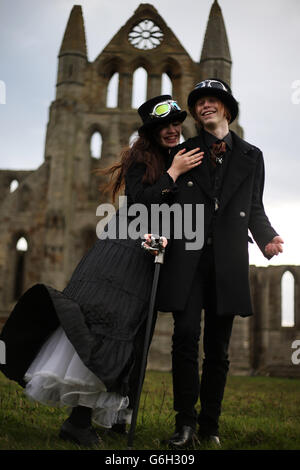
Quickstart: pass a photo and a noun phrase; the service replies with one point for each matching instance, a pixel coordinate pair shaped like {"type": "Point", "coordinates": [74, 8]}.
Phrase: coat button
{"type": "Point", "coordinates": [242, 214]}
{"type": "Point", "coordinates": [190, 184]}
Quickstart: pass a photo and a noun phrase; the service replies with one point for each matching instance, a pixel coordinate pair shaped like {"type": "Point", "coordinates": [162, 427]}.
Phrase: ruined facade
{"type": "Point", "coordinates": [48, 222]}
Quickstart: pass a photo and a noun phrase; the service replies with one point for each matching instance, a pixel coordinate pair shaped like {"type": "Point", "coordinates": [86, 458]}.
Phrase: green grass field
{"type": "Point", "coordinates": [259, 413]}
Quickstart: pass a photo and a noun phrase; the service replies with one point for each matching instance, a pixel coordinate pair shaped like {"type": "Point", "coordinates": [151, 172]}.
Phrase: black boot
{"type": "Point", "coordinates": [184, 438]}
{"type": "Point", "coordinates": [78, 428]}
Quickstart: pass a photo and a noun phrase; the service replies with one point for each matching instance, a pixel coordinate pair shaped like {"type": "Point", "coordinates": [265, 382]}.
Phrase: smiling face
{"type": "Point", "coordinates": [211, 112]}
{"type": "Point", "coordinates": [169, 135]}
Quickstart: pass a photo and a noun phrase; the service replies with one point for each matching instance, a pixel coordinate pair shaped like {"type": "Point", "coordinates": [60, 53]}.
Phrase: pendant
{"type": "Point", "coordinates": [216, 204]}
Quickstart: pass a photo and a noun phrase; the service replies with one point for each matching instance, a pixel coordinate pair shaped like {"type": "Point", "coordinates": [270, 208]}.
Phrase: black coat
{"type": "Point", "coordinates": [241, 208]}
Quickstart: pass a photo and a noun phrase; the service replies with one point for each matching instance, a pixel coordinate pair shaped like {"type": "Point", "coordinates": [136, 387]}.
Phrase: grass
{"type": "Point", "coordinates": [259, 413]}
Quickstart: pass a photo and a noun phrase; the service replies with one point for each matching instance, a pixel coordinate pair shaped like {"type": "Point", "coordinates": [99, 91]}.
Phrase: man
{"type": "Point", "coordinates": [229, 182]}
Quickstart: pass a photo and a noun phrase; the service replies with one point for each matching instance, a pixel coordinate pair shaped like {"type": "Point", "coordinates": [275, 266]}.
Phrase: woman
{"type": "Point", "coordinates": [83, 343]}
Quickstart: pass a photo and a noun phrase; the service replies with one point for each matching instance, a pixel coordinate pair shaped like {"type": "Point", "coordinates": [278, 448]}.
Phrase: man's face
{"type": "Point", "coordinates": [210, 112]}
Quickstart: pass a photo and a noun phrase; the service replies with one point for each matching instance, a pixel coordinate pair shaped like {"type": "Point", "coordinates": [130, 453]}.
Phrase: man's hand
{"type": "Point", "coordinates": [274, 247]}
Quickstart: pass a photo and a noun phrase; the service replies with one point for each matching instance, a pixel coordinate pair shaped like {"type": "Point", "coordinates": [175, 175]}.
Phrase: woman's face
{"type": "Point", "coordinates": [169, 135]}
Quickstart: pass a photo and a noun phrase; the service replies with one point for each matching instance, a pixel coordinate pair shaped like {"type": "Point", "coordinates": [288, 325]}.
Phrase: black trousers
{"type": "Point", "coordinates": [185, 351]}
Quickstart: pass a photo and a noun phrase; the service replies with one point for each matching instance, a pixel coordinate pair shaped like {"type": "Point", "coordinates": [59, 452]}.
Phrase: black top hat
{"type": "Point", "coordinates": [152, 115]}
{"type": "Point", "coordinates": [218, 88]}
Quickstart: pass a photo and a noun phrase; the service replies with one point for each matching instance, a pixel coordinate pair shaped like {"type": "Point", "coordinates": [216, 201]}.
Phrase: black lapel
{"type": "Point", "coordinates": [241, 163]}
{"type": "Point", "coordinates": [201, 173]}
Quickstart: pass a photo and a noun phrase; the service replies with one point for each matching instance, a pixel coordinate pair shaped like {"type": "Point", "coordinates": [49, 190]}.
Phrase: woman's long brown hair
{"type": "Point", "coordinates": [144, 150]}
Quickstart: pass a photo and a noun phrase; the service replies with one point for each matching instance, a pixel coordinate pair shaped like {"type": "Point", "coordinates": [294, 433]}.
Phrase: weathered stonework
{"type": "Point", "coordinates": [54, 207]}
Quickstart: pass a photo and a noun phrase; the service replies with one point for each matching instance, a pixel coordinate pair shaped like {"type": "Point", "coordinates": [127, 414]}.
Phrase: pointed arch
{"type": "Point", "coordinates": [173, 70]}
{"type": "Point", "coordinates": [21, 249]}
{"type": "Point", "coordinates": [166, 84]}
{"type": "Point", "coordinates": [13, 185]}
{"type": "Point", "coordinates": [287, 299]}
{"type": "Point", "coordinates": [139, 87]}
{"type": "Point", "coordinates": [96, 143]}
{"type": "Point", "coordinates": [112, 95]}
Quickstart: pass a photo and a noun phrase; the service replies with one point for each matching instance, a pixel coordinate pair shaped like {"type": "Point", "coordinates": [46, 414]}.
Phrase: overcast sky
{"type": "Point", "coordinates": [264, 39]}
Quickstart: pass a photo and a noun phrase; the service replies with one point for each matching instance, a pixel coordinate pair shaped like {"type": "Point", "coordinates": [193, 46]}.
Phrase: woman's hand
{"type": "Point", "coordinates": [147, 244]}
{"type": "Point", "coordinates": [185, 161]}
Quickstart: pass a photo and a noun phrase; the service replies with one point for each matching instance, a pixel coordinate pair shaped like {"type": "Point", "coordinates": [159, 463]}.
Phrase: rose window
{"type": "Point", "coordinates": [145, 35]}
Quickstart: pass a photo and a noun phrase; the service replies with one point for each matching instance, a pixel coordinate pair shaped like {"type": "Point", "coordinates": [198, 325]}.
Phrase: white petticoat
{"type": "Point", "coordinates": [58, 377]}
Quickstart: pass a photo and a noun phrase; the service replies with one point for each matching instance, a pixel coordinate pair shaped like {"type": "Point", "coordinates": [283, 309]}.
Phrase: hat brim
{"type": "Point", "coordinates": [223, 96]}
{"type": "Point", "coordinates": [180, 116]}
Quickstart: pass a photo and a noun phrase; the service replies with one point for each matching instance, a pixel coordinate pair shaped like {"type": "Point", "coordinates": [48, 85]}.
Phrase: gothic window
{"type": "Point", "coordinates": [96, 145]}
{"type": "Point", "coordinates": [112, 91]}
{"type": "Point", "coordinates": [139, 87]}
{"type": "Point", "coordinates": [145, 35]}
{"type": "Point", "coordinates": [287, 299]}
{"type": "Point", "coordinates": [166, 85]}
{"type": "Point", "coordinates": [21, 250]}
{"type": "Point", "coordinates": [13, 185]}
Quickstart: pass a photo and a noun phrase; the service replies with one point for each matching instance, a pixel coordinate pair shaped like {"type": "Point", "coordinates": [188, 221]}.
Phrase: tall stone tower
{"type": "Point", "coordinates": [48, 222]}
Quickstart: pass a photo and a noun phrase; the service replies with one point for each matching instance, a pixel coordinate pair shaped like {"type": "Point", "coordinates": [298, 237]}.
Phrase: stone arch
{"type": "Point", "coordinates": [139, 87]}
{"type": "Point", "coordinates": [96, 143]}
{"type": "Point", "coordinates": [140, 62]}
{"type": "Point", "coordinates": [166, 84]}
{"type": "Point", "coordinates": [287, 299]}
{"type": "Point", "coordinates": [93, 129]}
{"type": "Point", "coordinates": [107, 69]}
{"type": "Point", "coordinates": [13, 185]}
{"type": "Point", "coordinates": [20, 248]}
{"type": "Point", "coordinates": [112, 92]}
{"type": "Point", "coordinates": [110, 66]}
{"type": "Point", "coordinates": [173, 70]}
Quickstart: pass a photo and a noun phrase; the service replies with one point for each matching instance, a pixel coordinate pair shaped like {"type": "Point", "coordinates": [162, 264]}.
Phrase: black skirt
{"type": "Point", "coordinates": [101, 310]}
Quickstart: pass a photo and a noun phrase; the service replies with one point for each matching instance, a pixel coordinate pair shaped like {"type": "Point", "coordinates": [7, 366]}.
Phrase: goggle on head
{"type": "Point", "coordinates": [164, 108]}
{"type": "Point", "coordinates": [211, 84]}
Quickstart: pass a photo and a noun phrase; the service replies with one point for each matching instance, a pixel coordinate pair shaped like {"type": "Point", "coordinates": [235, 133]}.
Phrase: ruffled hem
{"type": "Point", "coordinates": [108, 408]}
{"type": "Point", "coordinates": [58, 377]}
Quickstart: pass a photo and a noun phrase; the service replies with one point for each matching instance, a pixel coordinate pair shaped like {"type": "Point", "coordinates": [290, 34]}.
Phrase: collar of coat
{"type": "Point", "coordinates": [242, 161]}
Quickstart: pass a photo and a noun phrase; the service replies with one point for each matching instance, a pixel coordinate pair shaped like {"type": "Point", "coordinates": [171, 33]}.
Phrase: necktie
{"type": "Point", "coordinates": [218, 150]}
